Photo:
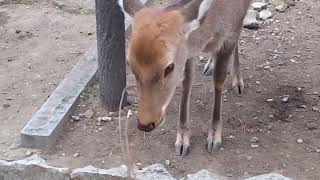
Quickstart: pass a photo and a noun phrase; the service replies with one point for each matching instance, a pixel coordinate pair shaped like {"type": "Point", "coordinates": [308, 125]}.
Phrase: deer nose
{"type": "Point", "coordinates": [146, 128]}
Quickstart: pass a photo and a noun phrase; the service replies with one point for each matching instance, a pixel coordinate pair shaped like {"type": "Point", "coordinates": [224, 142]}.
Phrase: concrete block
{"type": "Point", "coordinates": [44, 127]}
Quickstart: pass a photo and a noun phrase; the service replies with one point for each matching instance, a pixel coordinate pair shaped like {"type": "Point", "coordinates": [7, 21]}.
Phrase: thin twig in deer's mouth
{"type": "Point", "coordinates": [127, 152]}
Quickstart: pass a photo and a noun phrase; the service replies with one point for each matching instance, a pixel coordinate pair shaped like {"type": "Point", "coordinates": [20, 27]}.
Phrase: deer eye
{"type": "Point", "coordinates": [168, 70]}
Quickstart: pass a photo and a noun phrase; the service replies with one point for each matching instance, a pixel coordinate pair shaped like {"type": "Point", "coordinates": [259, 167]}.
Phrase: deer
{"type": "Point", "coordinates": [163, 45]}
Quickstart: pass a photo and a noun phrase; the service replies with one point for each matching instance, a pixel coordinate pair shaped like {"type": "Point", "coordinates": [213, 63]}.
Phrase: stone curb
{"type": "Point", "coordinates": [44, 127]}
{"type": "Point", "coordinates": [35, 168]}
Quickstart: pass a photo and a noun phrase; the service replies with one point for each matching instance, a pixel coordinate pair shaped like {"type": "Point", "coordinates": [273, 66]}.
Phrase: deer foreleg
{"type": "Point", "coordinates": [182, 144]}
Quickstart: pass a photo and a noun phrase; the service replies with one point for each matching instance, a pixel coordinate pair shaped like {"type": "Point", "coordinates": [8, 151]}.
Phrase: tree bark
{"type": "Point", "coordinates": [111, 53]}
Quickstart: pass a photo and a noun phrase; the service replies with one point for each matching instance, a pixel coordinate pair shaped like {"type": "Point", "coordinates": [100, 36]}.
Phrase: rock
{"type": "Point", "coordinates": [249, 158]}
{"type": "Point", "coordinates": [154, 171]}
{"type": "Point", "coordinates": [168, 162]}
{"type": "Point", "coordinates": [281, 5]}
{"type": "Point", "coordinates": [6, 105]}
{"type": "Point", "coordinates": [312, 126]}
{"type": "Point", "coordinates": [254, 140]}
{"type": "Point", "coordinates": [267, 67]}
{"type": "Point", "coordinates": [265, 14]}
{"type": "Point", "coordinates": [90, 172]}
{"type": "Point", "coordinates": [281, 8]}
{"type": "Point", "coordinates": [303, 106]}
{"type": "Point", "coordinates": [315, 93]}
{"type": "Point", "coordinates": [75, 155]}
{"type": "Point", "coordinates": [139, 164]}
{"type": "Point", "coordinates": [276, 3]}
{"type": "Point", "coordinates": [279, 2]}
{"type": "Point", "coordinates": [204, 175]}
{"type": "Point", "coordinates": [285, 99]}
{"type": "Point", "coordinates": [271, 176]}
{"type": "Point", "coordinates": [270, 100]}
{"type": "Point", "coordinates": [259, 6]}
{"type": "Point", "coordinates": [88, 114]}
{"type": "Point", "coordinates": [35, 167]}
{"type": "Point", "coordinates": [32, 168]}
{"type": "Point", "coordinates": [75, 118]}
{"type": "Point", "coordinates": [29, 153]}
{"type": "Point", "coordinates": [254, 145]}
{"type": "Point", "coordinates": [250, 21]}
{"type": "Point", "coordinates": [105, 119]}
{"type": "Point", "coordinates": [315, 108]}
{"type": "Point", "coordinates": [318, 150]}
{"type": "Point", "coordinates": [299, 141]}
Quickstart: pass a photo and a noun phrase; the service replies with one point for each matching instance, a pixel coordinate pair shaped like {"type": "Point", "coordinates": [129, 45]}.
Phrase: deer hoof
{"type": "Point", "coordinates": [213, 146]}
{"type": "Point", "coordinates": [182, 150]}
{"type": "Point", "coordinates": [238, 89]}
{"type": "Point", "coordinates": [208, 68]}
{"type": "Point", "coordinates": [238, 85]}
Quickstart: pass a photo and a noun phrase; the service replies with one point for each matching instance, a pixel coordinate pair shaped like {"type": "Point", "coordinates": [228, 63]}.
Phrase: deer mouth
{"type": "Point", "coordinates": [146, 128]}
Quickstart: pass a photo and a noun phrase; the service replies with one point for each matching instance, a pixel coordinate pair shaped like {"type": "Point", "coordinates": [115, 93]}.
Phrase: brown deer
{"type": "Point", "coordinates": [160, 54]}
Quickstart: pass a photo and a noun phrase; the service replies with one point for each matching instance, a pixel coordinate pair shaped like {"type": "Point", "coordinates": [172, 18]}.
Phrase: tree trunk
{"type": "Point", "coordinates": [111, 53]}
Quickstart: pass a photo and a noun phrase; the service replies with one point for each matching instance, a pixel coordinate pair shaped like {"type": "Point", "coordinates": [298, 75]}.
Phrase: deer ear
{"type": "Point", "coordinates": [194, 12]}
{"type": "Point", "coordinates": [130, 6]}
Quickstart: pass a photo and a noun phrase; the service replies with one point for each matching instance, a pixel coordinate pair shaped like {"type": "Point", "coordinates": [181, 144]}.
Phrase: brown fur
{"type": "Point", "coordinates": [153, 32]}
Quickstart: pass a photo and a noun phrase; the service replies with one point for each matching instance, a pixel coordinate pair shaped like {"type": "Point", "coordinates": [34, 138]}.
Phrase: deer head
{"type": "Point", "coordinates": [158, 52]}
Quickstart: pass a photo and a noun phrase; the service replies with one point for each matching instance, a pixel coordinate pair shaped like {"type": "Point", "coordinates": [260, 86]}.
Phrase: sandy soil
{"type": "Point", "coordinates": [39, 44]}
{"type": "Point", "coordinates": [279, 60]}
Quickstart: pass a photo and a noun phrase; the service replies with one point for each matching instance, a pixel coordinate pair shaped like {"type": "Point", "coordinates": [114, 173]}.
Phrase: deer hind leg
{"type": "Point", "coordinates": [182, 144]}
{"type": "Point", "coordinates": [237, 82]}
{"type": "Point", "coordinates": [219, 75]}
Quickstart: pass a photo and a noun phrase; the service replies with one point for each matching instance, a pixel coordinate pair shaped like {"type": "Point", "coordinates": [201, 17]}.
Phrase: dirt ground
{"type": "Point", "coordinates": [281, 67]}
{"type": "Point", "coordinates": [39, 44]}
